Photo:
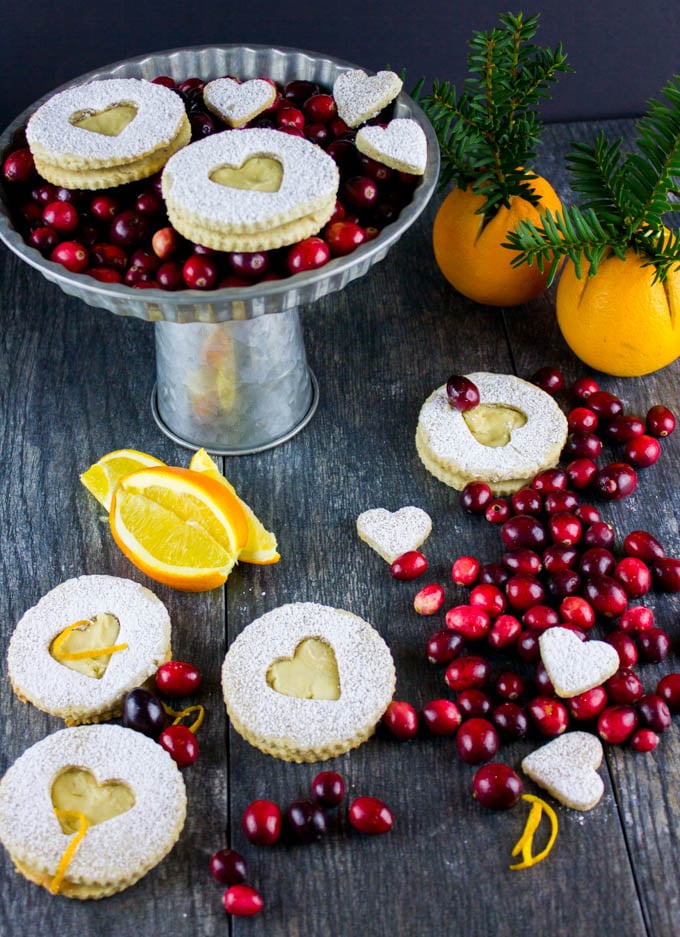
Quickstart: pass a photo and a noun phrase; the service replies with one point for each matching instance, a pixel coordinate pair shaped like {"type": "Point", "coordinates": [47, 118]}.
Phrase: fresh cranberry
{"type": "Point", "coordinates": [641, 544]}
{"type": "Point", "coordinates": [654, 712]}
{"type": "Point", "coordinates": [523, 561]}
{"type": "Point", "coordinates": [429, 600]}
{"type": "Point", "coordinates": [616, 723]}
{"type": "Point", "coordinates": [584, 387]}
{"type": "Point", "coordinates": [606, 405]}
{"type": "Point", "coordinates": [299, 90]}
{"type": "Point", "coordinates": [129, 228]}
{"type": "Point", "coordinates": [489, 598]}
{"type": "Point", "coordinates": [623, 428]}
{"type": "Point", "coordinates": [540, 617]}
{"type": "Point", "coordinates": [177, 678]}
{"type": "Point", "coordinates": [44, 193]}
{"type": "Point", "coordinates": [470, 621]}
{"type": "Point", "coordinates": [371, 167]}
{"type": "Point", "coordinates": [61, 216]}
{"type": "Point", "coordinates": [493, 574]}
{"type": "Point", "coordinates": [509, 685]}
{"type": "Point", "coordinates": [660, 421]}
{"type": "Point", "coordinates": [588, 514]}
{"type": "Point", "coordinates": [169, 276]}
{"type": "Point", "coordinates": [19, 166]}
{"type": "Point", "coordinates": [599, 534]}
{"type": "Point", "coordinates": [576, 610]}
{"type": "Point", "coordinates": [345, 155]}
{"type": "Point", "coordinates": [497, 787]}
{"type": "Point", "coordinates": [504, 632]}
{"type": "Point", "coordinates": [465, 570]}
{"type": "Point", "coordinates": [654, 645]}
{"type": "Point", "coordinates": [624, 686]}
{"type": "Point", "coordinates": [562, 583]}
{"type": "Point", "coordinates": [409, 565]}
{"type": "Point", "coordinates": [550, 480]}
{"type": "Point", "coordinates": [44, 239]}
{"type": "Point", "coordinates": [559, 557]}
{"type": "Point", "coordinates": [668, 688]}
{"type": "Point", "coordinates": [180, 743]}
{"type": "Point", "coordinates": [441, 716]}
{"type": "Point", "coordinates": [542, 681]}
{"type": "Point", "coordinates": [477, 741]}
{"type": "Point", "coordinates": [464, 673]}
{"type": "Point", "coordinates": [524, 591]}
{"type": "Point", "coordinates": [318, 133]}
{"type": "Point", "coordinates": [587, 705]}
{"type": "Point", "coordinates": [262, 823]}
{"type": "Point", "coordinates": [606, 595]}
{"type": "Point", "coordinates": [249, 264]}
{"type": "Point", "coordinates": [109, 255]}
{"type": "Point", "coordinates": [644, 740]}
{"type": "Point", "coordinates": [582, 420]}
{"type": "Point", "coordinates": [581, 474]}
{"type": "Point", "coordinates": [191, 85]}
{"type": "Point", "coordinates": [228, 867]}
{"type": "Point", "coordinates": [104, 207]}
{"type": "Point", "coordinates": [343, 237]}
{"type": "Point", "coordinates": [242, 901]}
{"type": "Point", "coordinates": [165, 242]}
{"type": "Point", "coordinates": [666, 573]}
{"type": "Point", "coordinates": [444, 646]}
{"type": "Point", "coordinates": [634, 575]}
{"type": "Point", "coordinates": [510, 720]}
{"type": "Point", "coordinates": [105, 274]}
{"type": "Point", "coordinates": [582, 446]}
{"type": "Point", "coordinates": [528, 648]}
{"type": "Point", "coordinates": [290, 117]}
{"type": "Point", "coordinates": [597, 561]}
{"type": "Point", "coordinates": [321, 108]}
{"type": "Point", "coordinates": [164, 80]}
{"type": "Point", "coordinates": [526, 501]}
{"type": "Point", "coordinates": [309, 254]}
{"type": "Point", "coordinates": [548, 715]}
{"type": "Point", "coordinates": [360, 192]}
{"type": "Point", "coordinates": [616, 480]}
{"type": "Point", "coordinates": [72, 255]}
{"type": "Point", "coordinates": [525, 531]}
{"type": "Point", "coordinates": [473, 703]}
{"type": "Point", "coordinates": [150, 202]}
{"type": "Point", "coordinates": [624, 646]}
{"type": "Point", "coordinates": [561, 502]}
{"type": "Point", "coordinates": [461, 393]}
{"type": "Point", "coordinates": [642, 451]}
{"type": "Point", "coordinates": [370, 815]}
{"type": "Point", "coordinates": [306, 821]}
{"type": "Point", "coordinates": [401, 720]}
{"type": "Point", "coordinates": [328, 788]}
{"type": "Point", "coordinates": [475, 497]}
{"type": "Point", "coordinates": [564, 528]}
{"type": "Point", "coordinates": [497, 511]}
{"type": "Point", "coordinates": [635, 619]}
{"type": "Point", "coordinates": [549, 379]}
{"type": "Point", "coordinates": [200, 272]}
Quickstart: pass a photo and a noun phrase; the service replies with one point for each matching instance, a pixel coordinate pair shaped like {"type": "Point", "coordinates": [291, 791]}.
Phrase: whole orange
{"type": "Point", "coordinates": [470, 255]}
{"type": "Point", "coordinates": [619, 321]}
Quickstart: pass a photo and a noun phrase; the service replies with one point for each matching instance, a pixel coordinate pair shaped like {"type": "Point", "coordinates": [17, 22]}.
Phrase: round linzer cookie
{"type": "Point", "coordinates": [516, 431]}
{"type": "Point", "coordinates": [87, 811]}
{"type": "Point", "coordinates": [85, 645]}
{"type": "Point", "coordinates": [105, 133]}
{"type": "Point", "coordinates": [249, 190]}
{"type": "Point", "coordinates": [305, 682]}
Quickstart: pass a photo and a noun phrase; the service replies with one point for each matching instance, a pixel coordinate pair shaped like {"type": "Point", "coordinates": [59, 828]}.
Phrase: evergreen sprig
{"type": "Point", "coordinates": [491, 130]}
{"type": "Point", "coordinates": [625, 198]}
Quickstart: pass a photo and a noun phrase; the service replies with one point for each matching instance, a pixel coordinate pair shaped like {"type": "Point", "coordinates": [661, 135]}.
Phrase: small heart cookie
{"type": "Point", "coordinates": [402, 145]}
{"type": "Point", "coordinates": [238, 102]}
{"type": "Point", "coordinates": [359, 97]}
{"type": "Point", "coordinates": [575, 666]}
{"type": "Point", "coordinates": [567, 768]}
{"type": "Point", "coordinates": [393, 534]}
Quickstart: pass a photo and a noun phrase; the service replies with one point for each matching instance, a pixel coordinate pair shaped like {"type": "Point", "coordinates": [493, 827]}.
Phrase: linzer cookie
{"type": "Point", "coordinates": [250, 190]}
{"type": "Point", "coordinates": [85, 645]}
{"type": "Point", "coordinates": [391, 534]}
{"type": "Point", "coordinates": [87, 811]}
{"type": "Point", "coordinates": [105, 133]}
{"type": "Point", "coordinates": [305, 682]}
{"type": "Point", "coordinates": [360, 97]}
{"type": "Point", "coordinates": [401, 145]}
{"type": "Point", "coordinates": [567, 768]}
{"type": "Point", "coordinates": [238, 102]}
{"type": "Point", "coordinates": [515, 431]}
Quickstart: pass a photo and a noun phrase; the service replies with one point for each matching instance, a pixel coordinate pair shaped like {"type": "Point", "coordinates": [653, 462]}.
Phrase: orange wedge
{"type": "Point", "coordinates": [261, 547]}
{"type": "Point", "coordinates": [179, 527]}
{"type": "Point", "coordinates": [102, 477]}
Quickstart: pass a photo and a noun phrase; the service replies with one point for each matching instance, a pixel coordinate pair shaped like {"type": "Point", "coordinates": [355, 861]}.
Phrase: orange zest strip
{"type": "Point", "coordinates": [525, 842]}
{"type": "Point", "coordinates": [179, 715]}
{"type": "Point", "coordinates": [64, 862]}
{"type": "Point", "coordinates": [81, 655]}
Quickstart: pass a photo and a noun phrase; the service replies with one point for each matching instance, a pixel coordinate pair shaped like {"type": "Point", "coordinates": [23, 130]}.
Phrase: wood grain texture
{"type": "Point", "coordinates": [76, 382]}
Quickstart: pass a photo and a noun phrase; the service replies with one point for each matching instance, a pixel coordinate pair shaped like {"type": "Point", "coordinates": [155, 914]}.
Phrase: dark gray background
{"type": "Point", "coordinates": [623, 51]}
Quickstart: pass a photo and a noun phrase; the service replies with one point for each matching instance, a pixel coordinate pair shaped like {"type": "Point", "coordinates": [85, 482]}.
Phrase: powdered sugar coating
{"type": "Point", "coordinates": [160, 114]}
{"type": "Point", "coordinates": [393, 533]}
{"type": "Point", "coordinates": [310, 180]}
{"type": "Point", "coordinates": [237, 102]}
{"type": "Point", "coordinates": [567, 768]}
{"type": "Point", "coordinates": [359, 97]}
{"type": "Point", "coordinates": [531, 447]}
{"type": "Point", "coordinates": [575, 666]}
{"type": "Point", "coordinates": [117, 850]}
{"type": "Point", "coordinates": [365, 669]}
{"type": "Point", "coordinates": [402, 145]}
{"type": "Point", "coordinates": [54, 688]}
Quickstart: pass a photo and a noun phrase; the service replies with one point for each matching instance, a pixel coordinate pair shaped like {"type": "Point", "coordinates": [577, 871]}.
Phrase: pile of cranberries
{"type": "Point", "coordinates": [304, 821]}
{"type": "Point", "coordinates": [122, 235]}
{"type": "Point", "coordinates": [561, 565]}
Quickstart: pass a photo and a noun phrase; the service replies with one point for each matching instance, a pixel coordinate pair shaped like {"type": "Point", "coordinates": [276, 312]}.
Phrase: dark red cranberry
{"type": "Point", "coordinates": [644, 740]}
{"type": "Point", "coordinates": [464, 673]}
{"type": "Point", "coordinates": [668, 688]}
{"type": "Point", "coordinates": [559, 557]}
{"type": "Point", "coordinates": [475, 497]}
{"type": "Point", "coordinates": [561, 502]}
{"type": "Point", "coordinates": [462, 394]}
{"type": "Point", "coordinates": [584, 387]}
{"type": "Point", "coordinates": [105, 274]}
{"type": "Point", "coordinates": [540, 617]}
{"type": "Point", "coordinates": [660, 421]}
{"type": "Point", "coordinates": [370, 815]}
{"type": "Point", "coordinates": [178, 678]}
{"type": "Point", "coordinates": [575, 610]}
{"type": "Point", "coordinates": [444, 646]}
{"type": "Point", "coordinates": [306, 821]}
{"type": "Point", "coordinates": [44, 193]}
{"type": "Point", "coordinates": [109, 255]}
{"type": "Point", "coordinates": [654, 712]}
{"type": "Point", "coordinates": [150, 202]}
{"type": "Point", "coordinates": [44, 239]}
{"type": "Point", "coordinates": [465, 570]}
{"type": "Point", "coordinates": [249, 264]}
{"type": "Point", "coordinates": [509, 685]}
{"type": "Point", "coordinates": [61, 216]}
{"type": "Point", "coordinates": [441, 716]}
{"type": "Point", "coordinates": [344, 153]}
{"type": "Point", "coordinates": [643, 545]}
{"type": "Point", "coordinates": [606, 405]}
{"type": "Point", "coordinates": [129, 228]}
{"type": "Point", "coordinates": [599, 534]}
{"type": "Point", "coordinates": [527, 501]}
{"type": "Point", "coordinates": [169, 276]}
{"type": "Point", "coordinates": [191, 85]}
{"type": "Point", "coordinates": [550, 480]}
{"type": "Point", "coordinates": [180, 743]}
{"type": "Point", "coordinates": [606, 595]}
{"type": "Point", "coordinates": [401, 720]}
{"type": "Point", "coordinates": [143, 712]}
{"type": "Point", "coordinates": [617, 723]}
{"type": "Point", "coordinates": [200, 272]}
{"type": "Point", "coordinates": [526, 562]}
{"type": "Point", "coordinates": [165, 80]}
{"type": "Point", "coordinates": [623, 428]}
{"type": "Point", "coordinates": [582, 446]}
{"type": "Point", "coordinates": [524, 591]}
{"type": "Point", "coordinates": [469, 621]}
{"type": "Point", "coordinates": [653, 644]}
{"type": "Point", "coordinates": [562, 583]}
{"type": "Point", "coordinates": [588, 514]}
{"type": "Point", "coordinates": [489, 598]}
{"type": "Point", "coordinates": [625, 647]}
{"type": "Point", "coordinates": [511, 721]}
{"type": "Point", "coordinates": [582, 420]}
{"type": "Point", "coordinates": [473, 703]}
{"type": "Point", "coordinates": [328, 788]}
{"type": "Point", "coordinates": [343, 237]}
{"type": "Point", "coordinates": [587, 705]}
{"type": "Point", "coordinates": [542, 681]}
{"type": "Point", "coordinates": [228, 867]}
{"type": "Point", "coordinates": [371, 167]}
{"type": "Point", "coordinates": [299, 90]}
{"type": "Point", "coordinates": [72, 255]}
{"type": "Point", "coordinates": [624, 686]}
{"type": "Point", "coordinates": [309, 254]}
{"type": "Point", "coordinates": [409, 565]}
{"type": "Point", "coordinates": [493, 574]}
{"type": "Point", "coordinates": [360, 192]}
{"type": "Point", "coordinates": [635, 619]}
{"type": "Point", "coordinates": [634, 575]}
{"type": "Point", "coordinates": [497, 511]}
{"type": "Point", "coordinates": [504, 632]}
{"type": "Point", "coordinates": [262, 823]}
{"type": "Point", "coordinates": [321, 108]}
{"type": "Point", "coordinates": [597, 561]}
{"type": "Point", "coordinates": [497, 787]}
{"type": "Point", "coordinates": [477, 741]}
{"type": "Point", "coordinates": [616, 480]}
{"type": "Point", "coordinates": [19, 166]}
{"type": "Point", "coordinates": [666, 573]}
{"type": "Point", "coordinates": [524, 531]}
{"type": "Point", "coordinates": [581, 474]}
{"type": "Point", "coordinates": [549, 716]}
{"type": "Point", "coordinates": [528, 648]}
{"type": "Point", "coordinates": [642, 451]}
{"type": "Point", "coordinates": [549, 379]}
{"type": "Point", "coordinates": [564, 528]}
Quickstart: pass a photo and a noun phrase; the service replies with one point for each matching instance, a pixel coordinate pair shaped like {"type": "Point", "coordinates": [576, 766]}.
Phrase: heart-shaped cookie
{"type": "Point", "coordinates": [359, 97]}
{"type": "Point", "coordinates": [392, 534]}
{"type": "Point", "coordinates": [575, 666]}
{"type": "Point", "coordinates": [402, 145]}
{"type": "Point", "coordinates": [567, 768]}
{"type": "Point", "coordinates": [311, 673]}
{"type": "Point", "coordinates": [77, 790]}
{"type": "Point", "coordinates": [238, 102]}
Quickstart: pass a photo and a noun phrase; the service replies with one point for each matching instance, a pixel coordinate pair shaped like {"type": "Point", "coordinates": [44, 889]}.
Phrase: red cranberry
{"type": "Point", "coordinates": [528, 648]}
{"type": "Point", "coordinates": [105, 274]}
{"type": "Point", "coordinates": [178, 678]}
{"type": "Point", "coordinates": [562, 583]}
{"type": "Point", "coordinates": [642, 451]}
{"type": "Point", "coordinates": [477, 741]}
{"type": "Point", "coordinates": [249, 264]}
{"type": "Point", "coordinates": [360, 192]}
{"type": "Point", "coordinates": [540, 617]}
{"type": "Point", "coordinates": [290, 117]}
{"type": "Point", "coordinates": [550, 480]}
{"type": "Point", "coordinates": [441, 716]}
{"type": "Point", "coordinates": [559, 557]}
{"type": "Point", "coordinates": [61, 216]}
{"type": "Point", "coordinates": [625, 647]}
{"type": "Point", "coordinates": [549, 379]}
{"type": "Point", "coordinates": [616, 481]}
{"type": "Point", "coordinates": [299, 90]}
{"type": "Point", "coordinates": [328, 788]}
{"type": "Point", "coordinates": [149, 203]}
{"type": "Point", "coordinates": [597, 561]}
{"type": "Point", "coordinates": [469, 621]}
{"type": "Point", "coordinates": [444, 646]}
{"type": "Point", "coordinates": [637, 618]}
{"type": "Point", "coordinates": [504, 632]}
{"type": "Point", "coordinates": [44, 239]}
{"type": "Point", "coordinates": [228, 867]}
{"type": "Point", "coordinates": [497, 786]}
{"type": "Point", "coordinates": [475, 497]}
{"type": "Point", "coordinates": [180, 743]}
{"type": "Point", "coordinates": [242, 901]}
{"type": "Point", "coordinates": [575, 610]}
{"type": "Point", "coordinates": [464, 673]}
{"type": "Point", "coordinates": [462, 394]}
{"type": "Point", "coordinates": [497, 511]}
{"type": "Point", "coordinates": [654, 645]}
{"type": "Point", "coordinates": [581, 474]}
{"type": "Point", "coordinates": [617, 723]}
{"type": "Point", "coordinates": [509, 685]}
{"type": "Point", "coordinates": [129, 228]}
{"type": "Point", "coordinates": [109, 255]}
{"type": "Point", "coordinates": [599, 534]}
{"type": "Point", "coordinates": [643, 545]}
{"type": "Point", "coordinates": [309, 254]}
{"type": "Point", "coordinates": [582, 446]}
{"type": "Point", "coordinates": [409, 565]}
{"type": "Point", "coordinates": [200, 272]}
{"type": "Point", "coordinates": [523, 561]}
{"type": "Point", "coordinates": [306, 821]}
{"type": "Point", "coordinates": [542, 681]}
{"type": "Point", "coordinates": [525, 531]}
{"type": "Point", "coordinates": [587, 705]}
{"type": "Point", "coordinates": [343, 237]}
{"type": "Point", "coordinates": [668, 688]}
{"type": "Point", "coordinates": [660, 421]}
{"type": "Point", "coordinates": [318, 133]}
{"type": "Point", "coordinates": [169, 276]}
{"type": "Point", "coordinates": [44, 193]}
{"type": "Point", "coordinates": [624, 686]}
{"type": "Point", "coordinates": [473, 703]}
{"type": "Point", "coordinates": [606, 596]}
{"type": "Point", "coordinates": [370, 815]}
{"type": "Point", "coordinates": [584, 387]}
{"type": "Point", "coordinates": [588, 514]}
{"type": "Point", "coordinates": [72, 255]}
{"type": "Point", "coordinates": [623, 428]}
{"type": "Point", "coordinates": [19, 166]}
{"type": "Point", "coordinates": [564, 528]}
{"type": "Point", "coordinates": [429, 600]}
{"type": "Point", "coordinates": [465, 570]}
{"type": "Point", "coordinates": [511, 721]}
{"type": "Point", "coordinates": [634, 576]}
{"type": "Point", "coordinates": [489, 598]}
{"type": "Point", "coordinates": [493, 574]}
{"type": "Point", "coordinates": [666, 572]}
{"type": "Point", "coordinates": [549, 715]}
{"type": "Point", "coordinates": [527, 501]}
{"type": "Point", "coordinates": [606, 405]}
{"type": "Point", "coordinates": [524, 591]}
{"type": "Point", "coordinates": [561, 502]}
{"type": "Point", "coordinates": [644, 740]}
{"type": "Point", "coordinates": [582, 420]}
{"type": "Point", "coordinates": [401, 720]}
{"type": "Point", "coordinates": [321, 108]}
{"type": "Point", "coordinates": [262, 823]}
{"type": "Point", "coordinates": [654, 712]}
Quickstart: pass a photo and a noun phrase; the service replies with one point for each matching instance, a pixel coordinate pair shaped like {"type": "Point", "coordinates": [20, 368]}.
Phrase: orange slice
{"type": "Point", "coordinates": [102, 477]}
{"type": "Point", "coordinates": [179, 527]}
{"type": "Point", "coordinates": [261, 547]}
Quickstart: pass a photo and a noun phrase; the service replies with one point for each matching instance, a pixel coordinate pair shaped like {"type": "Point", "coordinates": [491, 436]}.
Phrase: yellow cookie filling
{"type": "Point", "coordinates": [311, 673]}
{"type": "Point", "coordinates": [492, 424]}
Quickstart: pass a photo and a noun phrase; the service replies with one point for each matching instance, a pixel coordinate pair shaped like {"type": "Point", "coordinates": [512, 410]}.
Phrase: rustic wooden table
{"type": "Point", "coordinates": [76, 382]}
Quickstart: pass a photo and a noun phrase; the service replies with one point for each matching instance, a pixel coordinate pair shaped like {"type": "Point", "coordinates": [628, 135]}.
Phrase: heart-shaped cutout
{"type": "Point", "coordinates": [402, 144]}
{"type": "Point", "coordinates": [96, 634]}
{"type": "Point", "coordinates": [359, 97]}
{"type": "Point", "coordinates": [567, 768]}
{"type": "Point", "coordinates": [257, 174]}
{"type": "Point", "coordinates": [77, 790]}
{"type": "Point", "coordinates": [575, 666]}
{"type": "Point", "coordinates": [311, 673]}
{"type": "Point", "coordinates": [492, 423]}
{"type": "Point", "coordinates": [391, 534]}
{"type": "Point", "coordinates": [238, 102]}
{"type": "Point", "coordinates": [109, 122]}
